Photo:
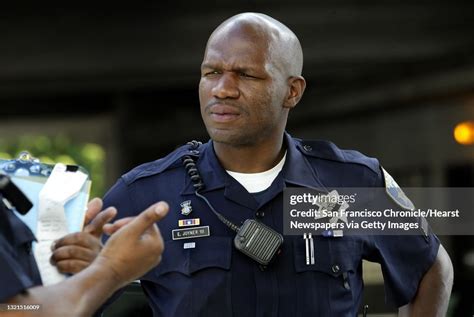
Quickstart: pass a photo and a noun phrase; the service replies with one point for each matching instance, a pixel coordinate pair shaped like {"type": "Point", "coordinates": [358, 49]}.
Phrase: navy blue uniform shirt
{"type": "Point", "coordinates": [207, 276]}
{"type": "Point", "coordinates": [18, 270]}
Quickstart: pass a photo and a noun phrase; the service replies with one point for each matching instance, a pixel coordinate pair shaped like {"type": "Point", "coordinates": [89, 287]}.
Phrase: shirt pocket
{"type": "Point", "coordinates": [193, 278]}
{"type": "Point", "coordinates": [325, 288]}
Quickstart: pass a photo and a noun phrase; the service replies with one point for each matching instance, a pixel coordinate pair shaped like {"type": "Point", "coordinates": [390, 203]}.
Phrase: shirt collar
{"type": "Point", "coordinates": [212, 173]}
{"type": "Point", "coordinates": [297, 170]}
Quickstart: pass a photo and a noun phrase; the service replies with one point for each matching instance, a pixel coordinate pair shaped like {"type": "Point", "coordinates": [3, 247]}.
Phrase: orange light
{"type": "Point", "coordinates": [464, 132]}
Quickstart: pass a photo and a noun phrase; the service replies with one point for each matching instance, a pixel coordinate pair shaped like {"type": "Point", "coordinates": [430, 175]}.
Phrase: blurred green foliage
{"type": "Point", "coordinates": [60, 149]}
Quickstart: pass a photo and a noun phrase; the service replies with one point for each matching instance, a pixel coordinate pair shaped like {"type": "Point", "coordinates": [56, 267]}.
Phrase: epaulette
{"type": "Point", "coordinates": [329, 151]}
{"type": "Point", "coordinates": [170, 161]}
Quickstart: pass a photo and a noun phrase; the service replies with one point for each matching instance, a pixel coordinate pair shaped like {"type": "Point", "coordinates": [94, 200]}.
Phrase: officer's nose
{"type": "Point", "coordinates": [226, 87]}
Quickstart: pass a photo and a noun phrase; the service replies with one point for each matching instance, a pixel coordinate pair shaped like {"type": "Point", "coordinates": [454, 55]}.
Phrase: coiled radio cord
{"type": "Point", "coordinates": [198, 185]}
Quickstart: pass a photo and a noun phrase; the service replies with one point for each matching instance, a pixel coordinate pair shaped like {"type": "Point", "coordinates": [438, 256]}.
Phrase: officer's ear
{"type": "Point", "coordinates": [296, 85]}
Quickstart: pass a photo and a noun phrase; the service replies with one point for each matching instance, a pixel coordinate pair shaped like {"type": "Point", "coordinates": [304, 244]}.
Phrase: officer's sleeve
{"type": "Point", "coordinates": [404, 261]}
{"type": "Point", "coordinates": [404, 258]}
{"type": "Point", "coordinates": [14, 279]}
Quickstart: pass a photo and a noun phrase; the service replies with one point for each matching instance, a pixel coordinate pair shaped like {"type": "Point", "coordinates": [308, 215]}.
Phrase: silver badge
{"type": "Point", "coordinates": [326, 203]}
{"type": "Point", "coordinates": [186, 207]}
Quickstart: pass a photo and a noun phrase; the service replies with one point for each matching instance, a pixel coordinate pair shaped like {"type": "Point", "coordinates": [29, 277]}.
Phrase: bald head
{"type": "Point", "coordinates": [281, 43]}
{"type": "Point", "coordinates": [250, 79]}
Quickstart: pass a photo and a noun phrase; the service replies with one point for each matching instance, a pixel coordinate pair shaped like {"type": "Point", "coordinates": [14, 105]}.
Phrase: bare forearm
{"type": "Point", "coordinates": [133, 250]}
{"type": "Point", "coordinates": [433, 293]}
{"type": "Point", "coordinates": [80, 295]}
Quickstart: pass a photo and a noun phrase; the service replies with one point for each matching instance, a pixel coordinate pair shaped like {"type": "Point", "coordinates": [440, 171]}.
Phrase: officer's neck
{"type": "Point", "coordinates": [254, 158]}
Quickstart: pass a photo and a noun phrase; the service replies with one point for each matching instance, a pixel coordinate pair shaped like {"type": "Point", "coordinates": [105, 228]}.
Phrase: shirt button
{"type": "Point", "coordinates": [335, 268]}
{"type": "Point", "coordinates": [307, 148]}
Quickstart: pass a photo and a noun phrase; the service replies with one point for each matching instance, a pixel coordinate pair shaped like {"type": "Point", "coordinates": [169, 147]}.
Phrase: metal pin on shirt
{"type": "Point", "coordinates": [311, 246]}
{"type": "Point", "coordinates": [306, 242]}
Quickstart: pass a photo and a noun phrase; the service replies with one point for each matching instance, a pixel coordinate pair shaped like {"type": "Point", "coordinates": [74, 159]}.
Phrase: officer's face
{"type": "Point", "coordinates": [241, 91]}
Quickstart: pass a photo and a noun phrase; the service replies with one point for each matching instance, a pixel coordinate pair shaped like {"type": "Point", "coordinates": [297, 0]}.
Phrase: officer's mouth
{"type": "Point", "coordinates": [223, 113]}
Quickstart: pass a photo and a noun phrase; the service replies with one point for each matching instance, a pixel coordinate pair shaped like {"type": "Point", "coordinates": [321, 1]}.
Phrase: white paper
{"type": "Point", "coordinates": [61, 186]}
{"type": "Point", "coordinates": [52, 222]}
{"type": "Point", "coordinates": [49, 273]}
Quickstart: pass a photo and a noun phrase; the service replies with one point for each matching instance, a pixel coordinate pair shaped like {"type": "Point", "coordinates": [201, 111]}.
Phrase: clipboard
{"type": "Point", "coordinates": [30, 176]}
{"type": "Point", "coordinates": [59, 194]}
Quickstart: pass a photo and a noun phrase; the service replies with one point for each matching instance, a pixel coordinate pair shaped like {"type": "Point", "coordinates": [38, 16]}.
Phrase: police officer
{"type": "Point", "coordinates": [250, 80]}
{"type": "Point", "coordinates": [21, 293]}
{"type": "Point", "coordinates": [17, 265]}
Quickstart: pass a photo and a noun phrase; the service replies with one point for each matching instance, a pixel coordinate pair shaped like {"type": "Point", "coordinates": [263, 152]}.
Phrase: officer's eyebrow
{"type": "Point", "coordinates": [239, 69]}
{"type": "Point", "coordinates": [208, 65]}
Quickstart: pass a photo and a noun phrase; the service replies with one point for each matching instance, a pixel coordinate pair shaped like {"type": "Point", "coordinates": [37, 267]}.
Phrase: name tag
{"type": "Point", "coordinates": [188, 233]}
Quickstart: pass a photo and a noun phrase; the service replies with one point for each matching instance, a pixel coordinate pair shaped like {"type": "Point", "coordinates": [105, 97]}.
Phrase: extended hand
{"type": "Point", "coordinates": [136, 247]}
{"type": "Point", "coordinates": [76, 251]}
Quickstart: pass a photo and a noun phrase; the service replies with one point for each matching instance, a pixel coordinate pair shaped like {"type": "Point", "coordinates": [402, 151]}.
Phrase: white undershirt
{"type": "Point", "coordinates": [257, 182]}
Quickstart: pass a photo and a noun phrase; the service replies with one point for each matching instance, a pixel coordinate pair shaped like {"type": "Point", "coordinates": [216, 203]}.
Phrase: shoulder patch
{"type": "Point", "coordinates": [329, 151]}
{"type": "Point", "coordinates": [395, 192]}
